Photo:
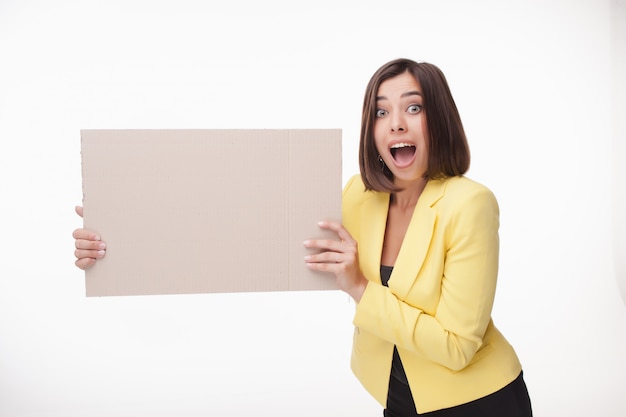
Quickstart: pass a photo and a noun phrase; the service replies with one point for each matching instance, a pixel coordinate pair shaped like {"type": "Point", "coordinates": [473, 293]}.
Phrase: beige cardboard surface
{"type": "Point", "coordinates": [202, 211]}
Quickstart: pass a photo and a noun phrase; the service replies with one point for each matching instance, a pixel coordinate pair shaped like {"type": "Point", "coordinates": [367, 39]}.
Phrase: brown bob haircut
{"type": "Point", "coordinates": [448, 151]}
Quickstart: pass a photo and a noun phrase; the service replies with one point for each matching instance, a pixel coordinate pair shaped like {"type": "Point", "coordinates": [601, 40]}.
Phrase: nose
{"type": "Point", "coordinates": [397, 123]}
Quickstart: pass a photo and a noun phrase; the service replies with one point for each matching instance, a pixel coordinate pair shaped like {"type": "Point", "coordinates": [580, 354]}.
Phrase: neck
{"type": "Point", "coordinates": [407, 198]}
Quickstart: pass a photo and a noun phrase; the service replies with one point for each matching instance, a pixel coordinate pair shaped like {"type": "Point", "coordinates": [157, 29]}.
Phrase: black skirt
{"type": "Point", "coordinates": [511, 401]}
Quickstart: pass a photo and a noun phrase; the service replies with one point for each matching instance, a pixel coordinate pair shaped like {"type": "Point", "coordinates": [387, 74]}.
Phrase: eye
{"type": "Point", "coordinates": [414, 108]}
{"type": "Point", "coordinates": [381, 113]}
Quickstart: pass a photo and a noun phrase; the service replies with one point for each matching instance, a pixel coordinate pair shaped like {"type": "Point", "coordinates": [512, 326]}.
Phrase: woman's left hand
{"type": "Point", "coordinates": [339, 257]}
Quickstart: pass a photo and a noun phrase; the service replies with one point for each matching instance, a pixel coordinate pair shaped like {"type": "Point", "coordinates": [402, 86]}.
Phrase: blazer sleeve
{"type": "Point", "coordinates": [464, 256]}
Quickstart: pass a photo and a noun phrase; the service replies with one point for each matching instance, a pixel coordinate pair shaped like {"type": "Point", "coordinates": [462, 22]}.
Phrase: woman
{"type": "Point", "coordinates": [418, 252]}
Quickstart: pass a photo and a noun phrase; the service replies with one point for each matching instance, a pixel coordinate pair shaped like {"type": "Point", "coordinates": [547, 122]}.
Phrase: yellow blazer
{"type": "Point", "coordinates": [437, 307]}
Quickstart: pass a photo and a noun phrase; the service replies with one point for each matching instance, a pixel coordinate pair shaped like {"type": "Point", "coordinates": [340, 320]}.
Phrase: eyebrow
{"type": "Point", "coordinates": [407, 94]}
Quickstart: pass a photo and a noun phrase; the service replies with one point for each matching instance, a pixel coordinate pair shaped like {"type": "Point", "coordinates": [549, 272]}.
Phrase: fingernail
{"type": "Point", "coordinates": [307, 258]}
{"type": "Point", "coordinates": [102, 246]}
{"type": "Point", "coordinates": [307, 242]}
{"type": "Point", "coordinates": [101, 253]}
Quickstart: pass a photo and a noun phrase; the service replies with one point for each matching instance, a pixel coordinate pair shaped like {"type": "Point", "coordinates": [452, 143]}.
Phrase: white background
{"type": "Point", "coordinates": [534, 84]}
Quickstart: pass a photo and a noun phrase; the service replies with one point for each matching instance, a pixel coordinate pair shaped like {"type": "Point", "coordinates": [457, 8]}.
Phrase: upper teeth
{"type": "Point", "coordinates": [401, 145]}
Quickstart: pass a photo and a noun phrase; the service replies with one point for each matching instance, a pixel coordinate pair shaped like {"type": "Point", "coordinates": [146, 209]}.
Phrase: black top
{"type": "Point", "coordinates": [397, 370]}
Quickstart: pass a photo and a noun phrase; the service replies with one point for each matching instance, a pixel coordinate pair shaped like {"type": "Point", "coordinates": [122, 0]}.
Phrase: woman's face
{"type": "Point", "coordinates": [400, 131]}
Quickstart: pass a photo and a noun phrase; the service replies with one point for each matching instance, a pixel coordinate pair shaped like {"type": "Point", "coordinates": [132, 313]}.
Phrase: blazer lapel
{"type": "Point", "coordinates": [417, 239]}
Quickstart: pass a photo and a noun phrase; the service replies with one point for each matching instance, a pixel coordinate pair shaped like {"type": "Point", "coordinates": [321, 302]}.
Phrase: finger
{"type": "Point", "coordinates": [338, 228]}
{"type": "Point", "coordinates": [79, 210]}
{"type": "Point", "coordinates": [337, 268]}
{"type": "Point", "coordinates": [325, 244]}
{"type": "Point", "coordinates": [326, 257]}
{"type": "Point", "coordinates": [85, 234]}
{"type": "Point", "coordinates": [90, 244]}
{"type": "Point", "coordinates": [321, 267]}
{"type": "Point", "coordinates": [89, 254]}
{"type": "Point", "coordinates": [85, 263]}
{"type": "Point", "coordinates": [331, 246]}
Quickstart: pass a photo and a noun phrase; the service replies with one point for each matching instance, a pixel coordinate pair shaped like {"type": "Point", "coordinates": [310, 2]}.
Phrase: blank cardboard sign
{"type": "Point", "coordinates": [203, 211]}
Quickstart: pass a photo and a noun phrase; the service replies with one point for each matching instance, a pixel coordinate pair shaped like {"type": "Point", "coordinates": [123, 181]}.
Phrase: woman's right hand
{"type": "Point", "coordinates": [89, 246]}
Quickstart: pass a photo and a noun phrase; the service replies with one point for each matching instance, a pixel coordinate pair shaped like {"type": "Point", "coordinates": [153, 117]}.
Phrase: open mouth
{"type": "Point", "coordinates": [403, 152]}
